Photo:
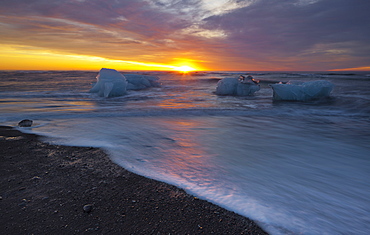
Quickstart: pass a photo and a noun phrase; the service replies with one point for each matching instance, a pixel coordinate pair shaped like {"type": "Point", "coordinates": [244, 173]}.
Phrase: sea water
{"type": "Point", "coordinates": [293, 167]}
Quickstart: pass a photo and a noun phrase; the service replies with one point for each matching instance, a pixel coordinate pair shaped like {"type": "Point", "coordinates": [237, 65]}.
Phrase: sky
{"type": "Point", "coordinates": [218, 35]}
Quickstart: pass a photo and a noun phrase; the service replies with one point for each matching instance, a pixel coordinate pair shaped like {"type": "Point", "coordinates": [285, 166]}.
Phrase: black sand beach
{"type": "Point", "coordinates": [51, 189]}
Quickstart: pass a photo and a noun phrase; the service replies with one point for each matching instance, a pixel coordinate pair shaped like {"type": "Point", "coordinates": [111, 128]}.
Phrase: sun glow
{"type": "Point", "coordinates": [185, 69]}
{"type": "Point", "coordinates": [22, 58]}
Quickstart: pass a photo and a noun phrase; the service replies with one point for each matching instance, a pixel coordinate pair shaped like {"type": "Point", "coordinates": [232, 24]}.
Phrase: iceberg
{"type": "Point", "coordinates": [302, 91]}
{"type": "Point", "coordinates": [234, 86]}
{"type": "Point", "coordinates": [139, 82]}
{"type": "Point", "coordinates": [110, 83]}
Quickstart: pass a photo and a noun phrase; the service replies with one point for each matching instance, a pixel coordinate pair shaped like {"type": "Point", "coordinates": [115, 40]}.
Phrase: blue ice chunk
{"type": "Point", "coordinates": [110, 83]}
{"type": "Point", "coordinates": [302, 91]}
{"type": "Point", "coordinates": [139, 82]}
{"type": "Point", "coordinates": [233, 86]}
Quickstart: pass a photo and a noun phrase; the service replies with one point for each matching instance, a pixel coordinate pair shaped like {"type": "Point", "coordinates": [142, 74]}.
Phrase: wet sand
{"type": "Point", "coordinates": [52, 189]}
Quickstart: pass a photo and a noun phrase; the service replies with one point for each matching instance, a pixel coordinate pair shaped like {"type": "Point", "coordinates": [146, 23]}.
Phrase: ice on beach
{"type": "Point", "coordinates": [232, 86]}
{"type": "Point", "coordinates": [110, 83]}
{"type": "Point", "coordinates": [139, 82]}
{"type": "Point", "coordinates": [302, 91]}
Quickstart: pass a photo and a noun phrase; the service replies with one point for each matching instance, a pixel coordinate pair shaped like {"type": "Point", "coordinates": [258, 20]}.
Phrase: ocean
{"type": "Point", "coordinates": [293, 167]}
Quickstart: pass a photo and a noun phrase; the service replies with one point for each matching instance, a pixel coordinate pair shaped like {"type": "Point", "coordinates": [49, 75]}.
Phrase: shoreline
{"type": "Point", "coordinates": [73, 190]}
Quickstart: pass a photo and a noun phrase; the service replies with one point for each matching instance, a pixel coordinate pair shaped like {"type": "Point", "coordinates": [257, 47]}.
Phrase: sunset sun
{"type": "Point", "coordinates": [185, 69]}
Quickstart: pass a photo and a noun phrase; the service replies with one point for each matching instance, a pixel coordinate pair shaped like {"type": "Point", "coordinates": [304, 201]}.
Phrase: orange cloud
{"type": "Point", "coordinates": [367, 68]}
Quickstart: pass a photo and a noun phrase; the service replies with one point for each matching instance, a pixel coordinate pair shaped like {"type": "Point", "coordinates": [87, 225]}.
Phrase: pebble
{"type": "Point", "coordinates": [87, 208]}
{"type": "Point", "coordinates": [22, 204]}
{"type": "Point", "coordinates": [25, 123]}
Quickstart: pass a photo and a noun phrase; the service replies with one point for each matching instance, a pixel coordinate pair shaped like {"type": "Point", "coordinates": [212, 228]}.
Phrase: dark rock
{"type": "Point", "coordinates": [36, 178]}
{"type": "Point", "coordinates": [87, 208]}
{"type": "Point", "coordinates": [25, 123]}
{"type": "Point", "coordinates": [22, 204]}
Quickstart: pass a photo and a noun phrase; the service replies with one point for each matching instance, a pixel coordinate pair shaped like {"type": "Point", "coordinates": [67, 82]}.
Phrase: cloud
{"type": "Point", "coordinates": [304, 34]}
{"type": "Point", "coordinates": [103, 27]}
{"type": "Point", "coordinates": [286, 29]}
{"type": "Point", "coordinates": [196, 30]}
